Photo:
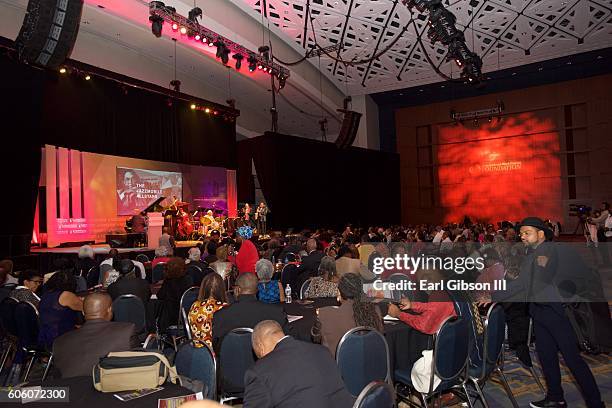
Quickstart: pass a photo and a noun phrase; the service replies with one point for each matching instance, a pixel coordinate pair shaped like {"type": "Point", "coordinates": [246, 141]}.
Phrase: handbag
{"type": "Point", "coordinates": [132, 370]}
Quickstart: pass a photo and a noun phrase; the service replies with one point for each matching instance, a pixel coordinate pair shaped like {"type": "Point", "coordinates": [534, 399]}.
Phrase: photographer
{"type": "Point", "coordinates": [601, 233]}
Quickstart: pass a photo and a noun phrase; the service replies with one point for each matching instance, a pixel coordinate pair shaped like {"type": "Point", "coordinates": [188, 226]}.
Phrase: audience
{"type": "Point", "coordinates": [347, 263]}
{"type": "Point", "coordinates": [29, 283]}
{"type": "Point", "coordinates": [326, 284]}
{"type": "Point", "coordinates": [291, 373]}
{"type": "Point", "coordinates": [161, 255]}
{"type": "Point", "coordinates": [268, 290]}
{"type": "Point", "coordinates": [58, 308]}
{"type": "Point", "coordinates": [196, 269]}
{"type": "Point", "coordinates": [221, 265]}
{"type": "Point", "coordinates": [6, 273]}
{"type": "Point", "coordinates": [354, 310]}
{"type": "Point", "coordinates": [176, 282]}
{"type": "Point", "coordinates": [247, 311]}
{"type": "Point", "coordinates": [166, 240]}
{"type": "Point", "coordinates": [95, 339]}
{"type": "Point", "coordinates": [211, 298]}
{"type": "Point", "coordinates": [129, 283]}
{"type": "Point", "coordinates": [310, 263]}
{"type": "Point", "coordinates": [247, 255]}
{"type": "Point", "coordinates": [86, 260]}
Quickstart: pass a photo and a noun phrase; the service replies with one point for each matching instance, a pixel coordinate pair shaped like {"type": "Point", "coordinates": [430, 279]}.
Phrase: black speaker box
{"type": "Point", "coordinates": [49, 31]}
{"type": "Point", "coordinates": [349, 128]}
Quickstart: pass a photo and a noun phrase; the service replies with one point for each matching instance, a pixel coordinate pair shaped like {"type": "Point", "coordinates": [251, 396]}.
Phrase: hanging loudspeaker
{"type": "Point", "coordinates": [49, 31]}
{"type": "Point", "coordinates": [349, 128]}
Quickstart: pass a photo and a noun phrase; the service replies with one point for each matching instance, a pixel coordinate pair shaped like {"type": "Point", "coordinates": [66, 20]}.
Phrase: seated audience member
{"type": "Point", "coordinates": [221, 265]}
{"type": "Point", "coordinates": [129, 283]}
{"type": "Point", "coordinates": [211, 298]}
{"type": "Point", "coordinates": [346, 263]}
{"type": "Point", "coordinates": [161, 255]}
{"type": "Point", "coordinates": [326, 284]}
{"type": "Point", "coordinates": [58, 307]}
{"type": "Point", "coordinates": [247, 256]}
{"type": "Point", "coordinates": [29, 282]}
{"type": "Point", "coordinates": [309, 267]}
{"type": "Point", "coordinates": [112, 254]}
{"type": "Point", "coordinates": [353, 311]}
{"type": "Point", "coordinates": [494, 270]}
{"type": "Point", "coordinates": [247, 311]}
{"type": "Point", "coordinates": [86, 261]}
{"type": "Point", "coordinates": [6, 273]}
{"type": "Point", "coordinates": [176, 282]}
{"type": "Point", "coordinates": [166, 240]}
{"type": "Point", "coordinates": [268, 290]}
{"type": "Point", "coordinates": [77, 351]}
{"type": "Point", "coordinates": [429, 315]}
{"type": "Point", "coordinates": [196, 268]}
{"type": "Point", "coordinates": [292, 373]}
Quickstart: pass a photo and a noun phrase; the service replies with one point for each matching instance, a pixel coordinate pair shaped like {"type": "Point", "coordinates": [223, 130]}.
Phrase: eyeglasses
{"type": "Point", "coordinates": [37, 281]}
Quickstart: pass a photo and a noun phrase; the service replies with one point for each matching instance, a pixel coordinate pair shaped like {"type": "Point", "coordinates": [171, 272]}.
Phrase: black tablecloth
{"type": "Point", "coordinates": [301, 329]}
{"type": "Point", "coordinates": [82, 394]}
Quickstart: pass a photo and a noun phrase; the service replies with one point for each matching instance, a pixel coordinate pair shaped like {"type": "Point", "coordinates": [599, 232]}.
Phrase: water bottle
{"type": "Point", "coordinates": [288, 294]}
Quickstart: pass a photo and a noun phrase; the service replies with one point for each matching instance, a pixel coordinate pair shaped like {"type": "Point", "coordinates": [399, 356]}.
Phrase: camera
{"type": "Point", "coordinates": [579, 210]}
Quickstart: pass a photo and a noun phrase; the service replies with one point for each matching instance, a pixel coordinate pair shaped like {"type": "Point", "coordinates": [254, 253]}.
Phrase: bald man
{"type": "Point", "coordinates": [309, 267]}
{"type": "Point", "coordinates": [292, 373]}
{"type": "Point", "coordinates": [247, 311]}
{"type": "Point", "coordinates": [76, 352]}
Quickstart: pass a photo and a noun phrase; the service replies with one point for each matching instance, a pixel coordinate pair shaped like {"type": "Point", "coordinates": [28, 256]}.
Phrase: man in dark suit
{"type": "Point", "coordinates": [247, 311]}
{"type": "Point", "coordinates": [309, 266]}
{"type": "Point", "coordinates": [292, 373]}
{"type": "Point", "coordinates": [76, 352]}
{"type": "Point", "coordinates": [130, 283]}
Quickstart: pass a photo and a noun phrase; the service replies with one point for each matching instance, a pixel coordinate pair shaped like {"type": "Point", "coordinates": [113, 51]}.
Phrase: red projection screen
{"type": "Point", "coordinates": [506, 169]}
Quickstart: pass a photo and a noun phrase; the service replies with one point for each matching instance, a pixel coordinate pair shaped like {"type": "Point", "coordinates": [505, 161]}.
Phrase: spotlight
{"type": "Point", "coordinates": [264, 50]}
{"type": "Point", "coordinates": [281, 81]}
{"type": "Point", "coordinates": [204, 40]}
{"type": "Point", "coordinates": [238, 58]}
{"type": "Point", "coordinates": [210, 43]}
{"type": "Point", "coordinates": [156, 25]}
{"type": "Point", "coordinates": [176, 85]}
{"type": "Point", "coordinates": [197, 37]}
{"type": "Point", "coordinates": [62, 70]}
{"type": "Point", "coordinates": [87, 77]}
{"type": "Point", "coordinates": [265, 69]}
{"type": "Point", "coordinates": [252, 63]}
{"type": "Point", "coordinates": [174, 26]}
{"type": "Point", "coordinates": [222, 51]}
{"type": "Point", "coordinates": [260, 66]}
{"type": "Point", "coordinates": [193, 106]}
{"type": "Point", "coordinates": [183, 30]}
{"type": "Point", "coordinates": [207, 110]}
{"type": "Point", "coordinates": [194, 14]}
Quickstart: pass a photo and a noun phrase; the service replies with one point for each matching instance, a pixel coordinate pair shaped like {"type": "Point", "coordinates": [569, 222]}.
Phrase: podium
{"type": "Point", "coordinates": [155, 223]}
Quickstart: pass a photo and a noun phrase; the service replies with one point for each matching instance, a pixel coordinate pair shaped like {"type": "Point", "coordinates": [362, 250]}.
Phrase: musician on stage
{"type": "Point", "coordinates": [261, 217]}
{"type": "Point", "coordinates": [246, 214]}
{"type": "Point", "coordinates": [208, 221]}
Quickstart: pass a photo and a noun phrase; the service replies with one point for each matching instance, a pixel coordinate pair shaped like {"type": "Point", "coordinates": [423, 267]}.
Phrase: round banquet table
{"type": "Point", "coordinates": [83, 394]}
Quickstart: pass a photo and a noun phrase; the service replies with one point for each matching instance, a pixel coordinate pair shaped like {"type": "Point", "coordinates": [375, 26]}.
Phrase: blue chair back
{"type": "Point", "coordinates": [5, 290]}
{"type": "Point", "coordinates": [376, 394]}
{"type": "Point", "coordinates": [288, 275]}
{"type": "Point", "coordinates": [93, 276]}
{"type": "Point", "coordinates": [462, 308]}
{"type": "Point", "coordinates": [198, 363]}
{"type": "Point", "coordinates": [187, 299]}
{"type": "Point", "coordinates": [158, 272]}
{"type": "Point", "coordinates": [129, 308]}
{"type": "Point", "coordinates": [7, 316]}
{"type": "Point", "coordinates": [142, 258]}
{"type": "Point", "coordinates": [81, 284]}
{"type": "Point", "coordinates": [451, 348]}
{"type": "Point", "coordinates": [493, 339]}
{"type": "Point", "coordinates": [27, 325]}
{"type": "Point", "coordinates": [304, 288]}
{"type": "Point", "coordinates": [362, 356]}
{"type": "Point", "coordinates": [235, 358]}
{"type": "Point", "coordinates": [195, 272]}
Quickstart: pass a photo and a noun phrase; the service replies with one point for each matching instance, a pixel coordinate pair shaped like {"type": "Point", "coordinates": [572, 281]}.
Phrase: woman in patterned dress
{"type": "Point", "coordinates": [210, 299]}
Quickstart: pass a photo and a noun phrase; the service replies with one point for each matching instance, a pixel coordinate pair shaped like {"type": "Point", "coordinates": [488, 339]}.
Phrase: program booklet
{"type": "Point", "coordinates": [175, 402]}
{"type": "Point", "coordinates": [130, 395]}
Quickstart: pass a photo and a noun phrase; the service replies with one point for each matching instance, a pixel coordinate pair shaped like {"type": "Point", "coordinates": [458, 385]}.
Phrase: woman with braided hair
{"type": "Point", "coordinates": [354, 310]}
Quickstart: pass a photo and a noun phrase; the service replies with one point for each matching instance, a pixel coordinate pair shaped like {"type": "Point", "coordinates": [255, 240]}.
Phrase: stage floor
{"type": "Point", "coordinates": [105, 248]}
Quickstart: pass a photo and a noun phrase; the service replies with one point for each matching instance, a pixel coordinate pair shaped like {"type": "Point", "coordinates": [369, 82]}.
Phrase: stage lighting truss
{"type": "Point", "coordinates": [191, 28]}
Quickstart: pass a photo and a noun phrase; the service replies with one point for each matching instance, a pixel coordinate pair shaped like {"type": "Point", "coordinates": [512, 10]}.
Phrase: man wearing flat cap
{"type": "Point", "coordinates": [537, 284]}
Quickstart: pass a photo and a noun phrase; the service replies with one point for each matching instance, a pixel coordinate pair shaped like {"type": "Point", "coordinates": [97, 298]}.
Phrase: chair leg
{"type": "Point", "coordinates": [507, 388]}
{"type": "Point", "coordinates": [5, 356]}
{"type": "Point", "coordinates": [424, 400]}
{"type": "Point", "coordinates": [480, 393]}
{"type": "Point", "coordinates": [30, 364]}
{"type": "Point", "coordinates": [537, 379]}
{"type": "Point", "coordinates": [47, 367]}
{"type": "Point", "coordinates": [467, 395]}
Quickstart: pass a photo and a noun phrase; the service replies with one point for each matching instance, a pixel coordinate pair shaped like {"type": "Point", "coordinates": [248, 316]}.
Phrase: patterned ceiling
{"type": "Point", "coordinates": [504, 33]}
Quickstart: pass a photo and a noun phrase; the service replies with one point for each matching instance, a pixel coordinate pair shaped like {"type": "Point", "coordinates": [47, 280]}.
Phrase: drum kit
{"type": "Point", "coordinates": [196, 226]}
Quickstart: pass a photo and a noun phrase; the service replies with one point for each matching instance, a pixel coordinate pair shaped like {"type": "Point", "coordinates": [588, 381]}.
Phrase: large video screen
{"type": "Point", "coordinates": [138, 188]}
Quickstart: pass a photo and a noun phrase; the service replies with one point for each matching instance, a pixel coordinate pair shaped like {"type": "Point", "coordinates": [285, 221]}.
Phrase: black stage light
{"type": "Point", "coordinates": [252, 63]}
{"type": "Point", "coordinates": [156, 25]}
{"type": "Point", "coordinates": [176, 85]}
{"type": "Point", "coordinates": [194, 14]}
{"type": "Point", "coordinates": [238, 58]}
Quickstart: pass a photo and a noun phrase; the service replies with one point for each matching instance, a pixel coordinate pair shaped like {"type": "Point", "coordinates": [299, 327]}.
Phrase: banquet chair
{"type": "Point", "coordinates": [158, 272]}
{"type": "Point", "coordinates": [235, 358]}
{"type": "Point", "coordinates": [198, 363]}
{"type": "Point", "coordinates": [187, 299]}
{"type": "Point", "coordinates": [8, 327]}
{"type": "Point", "coordinates": [129, 308]}
{"type": "Point", "coordinates": [304, 288]}
{"type": "Point", "coordinates": [449, 361]}
{"type": "Point", "coordinates": [27, 324]}
{"type": "Point", "coordinates": [362, 356]}
{"type": "Point", "coordinates": [289, 275]}
{"type": "Point", "coordinates": [5, 290]}
{"type": "Point", "coordinates": [142, 258]}
{"type": "Point", "coordinates": [492, 356]}
{"type": "Point", "coordinates": [376, 394]}
{"type": "Point", "coordinates": [195, 272]}
{"type": "Point", "coordinates": [93, 276]}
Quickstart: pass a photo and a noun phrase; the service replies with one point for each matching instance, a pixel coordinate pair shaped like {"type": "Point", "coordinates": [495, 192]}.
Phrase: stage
{"type": "Point", "coordinates": [104, 249]}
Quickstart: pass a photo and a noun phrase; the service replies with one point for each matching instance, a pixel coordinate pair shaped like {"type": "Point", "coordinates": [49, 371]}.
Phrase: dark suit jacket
{"type": "Point", "coordinates": [307, 269]}
{"type": "Point", "coordinates": [130, 286]}
{"type": "Point", "coordinates": [76, 352]}
{"type": "Point", "coordinates": [296, 374]}
{"type": "Point", "coordinates": [246, 312]}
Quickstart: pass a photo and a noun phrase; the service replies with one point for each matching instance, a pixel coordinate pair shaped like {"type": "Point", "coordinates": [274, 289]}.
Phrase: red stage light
{"type": "Point", "coordinates": [174, 26]}
{"type": "Point", "coordinates": [204, 40]}
{"type": "Point", "coordinates": [183, 30]}
{"type": "Point", "coordinates": [197, 37]}
{"type": "Point", "coordinates": [207, 110]}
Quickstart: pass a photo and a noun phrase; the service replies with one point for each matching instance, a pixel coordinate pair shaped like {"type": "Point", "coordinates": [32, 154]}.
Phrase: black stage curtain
{"type": "Point", "coordinates": [44, 107]}
{"type": "Point", "coordinates": [308, 183]}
